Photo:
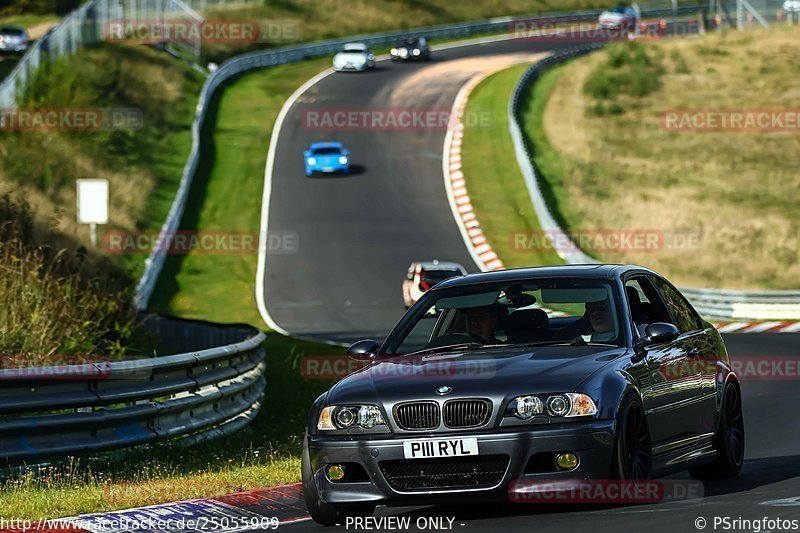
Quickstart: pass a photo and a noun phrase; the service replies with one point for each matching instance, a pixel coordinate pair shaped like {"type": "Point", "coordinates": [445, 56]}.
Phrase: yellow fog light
{"type": "Point", "coordinates": [336, 472]}
{"type": "Point", "coordinates": [567, 461]}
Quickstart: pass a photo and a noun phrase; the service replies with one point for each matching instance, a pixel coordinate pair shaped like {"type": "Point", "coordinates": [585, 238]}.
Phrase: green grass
{"type": "Point", "coordinates": [545, 158]}
{"type": "Point", "coordinates": [226, 195]}
{"type": "Point", "coordinates": [143, 165]}
{"type": "Point", "coordinates": [26, 20]}
{"type": "Point", "coordinates": [496, 187]}
{"type": "Point", "coordinates": [631, 69]}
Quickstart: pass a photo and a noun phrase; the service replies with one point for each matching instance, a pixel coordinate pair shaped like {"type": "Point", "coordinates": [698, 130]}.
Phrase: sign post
{"type": "Point", "coordinates": [93, 205]}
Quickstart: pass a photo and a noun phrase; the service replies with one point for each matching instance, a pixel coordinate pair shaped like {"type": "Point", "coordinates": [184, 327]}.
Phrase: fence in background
{"type": "Point", "coordinates": [88, 25]}
{"type": "Point", "coordinates": [211, 390]}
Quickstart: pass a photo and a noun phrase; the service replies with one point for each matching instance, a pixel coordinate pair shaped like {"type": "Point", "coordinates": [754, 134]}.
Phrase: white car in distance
{"type": "Point", "coordinates": [354, 57]}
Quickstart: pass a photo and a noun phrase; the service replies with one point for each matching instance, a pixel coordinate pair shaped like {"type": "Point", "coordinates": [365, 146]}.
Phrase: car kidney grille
{"type": "Point", "coordinates": [450, 473]}
{"type": "Point", "coordinates": [417, 415]}
{"type": "Point", "coordinates": [466, 413]}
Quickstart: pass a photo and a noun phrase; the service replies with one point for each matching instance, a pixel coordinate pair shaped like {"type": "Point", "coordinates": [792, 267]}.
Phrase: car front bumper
{"type": "Point", "coordinates": [328, 169]}
{"type": "Point", "coordinates": [14, 48]}
{"type": "Point", "coordinates": [592, 441]}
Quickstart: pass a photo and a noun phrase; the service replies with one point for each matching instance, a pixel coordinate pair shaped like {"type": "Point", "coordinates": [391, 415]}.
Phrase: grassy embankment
{"type": "Point", "coordinates": [45, 252]}
{"type": "Point", "coordinates": [598, 137]}
{"type": "Point", "coordinates": [214, 287]}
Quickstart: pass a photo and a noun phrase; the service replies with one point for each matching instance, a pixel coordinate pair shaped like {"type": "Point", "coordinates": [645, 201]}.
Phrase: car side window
{"type": "Point", "coordinates": [685, 317]}
{"type": "Point", "coordinates": [646, 306]}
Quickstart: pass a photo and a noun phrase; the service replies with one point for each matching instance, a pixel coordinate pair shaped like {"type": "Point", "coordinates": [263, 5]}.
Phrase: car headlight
{"type": "Point", "coordinates": [566, 405]}
{"type": "Point", "coordinates": [342, 417]}
{"type": "Point", "coordinates": [527, 406]}
{"type": "Point", "coordinates": [393, 51]}
{"type": "Point", "coordinates": [312, 160]}
{"type": "Point", "coordinates": [415, 51]}
{"type": "Point", "coordinates": [580, 405]}
{"type": "Point", "coordinates": [343, 160]}
{"type": "Point", "coordinates": [403, 52]}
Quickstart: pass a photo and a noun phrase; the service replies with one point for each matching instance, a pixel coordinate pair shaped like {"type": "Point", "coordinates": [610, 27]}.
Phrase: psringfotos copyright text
{"type": "Point", "coordinates": [754, 525]}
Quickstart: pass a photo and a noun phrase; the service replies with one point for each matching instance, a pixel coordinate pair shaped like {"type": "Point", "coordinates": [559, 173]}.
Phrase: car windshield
{"type": "Point", "coordinates": [435, 276]}
{"type": "Point", "coordinates": [410, 42]}
{"type": "Point", "coordinates": [328, 150]}
{"type": "Point", "coordinates": [353, 50]}
{"type": "Point", "coordinates": [571, 312]}
{"type": "Point", "coordinates": [13, 31]}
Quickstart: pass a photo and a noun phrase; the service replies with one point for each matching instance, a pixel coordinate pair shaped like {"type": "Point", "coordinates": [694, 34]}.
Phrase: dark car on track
{"type": "Point", "coordinates": [411, 49]}
{"type": "Point", "coordinates": [519, 377]}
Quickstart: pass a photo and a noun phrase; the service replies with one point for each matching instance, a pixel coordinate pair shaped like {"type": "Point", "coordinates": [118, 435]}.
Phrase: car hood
{"type": "Point", "coordinates": [473, 373]}
{"type": "Point", "coordinates": [326, 159]}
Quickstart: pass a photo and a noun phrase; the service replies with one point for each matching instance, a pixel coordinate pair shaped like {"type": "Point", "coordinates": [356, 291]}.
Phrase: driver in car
{"type": "Point", "coordinates": [481, 322]}
{"type": "Point", "coordinates": [600, 320]}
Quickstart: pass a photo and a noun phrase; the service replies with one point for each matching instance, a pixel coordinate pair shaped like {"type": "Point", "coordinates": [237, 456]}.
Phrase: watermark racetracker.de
{"type": "Point", "coordinates": [746, 368]}
{"type": "Point", "coordinates": [623, 240]}
{"type": "Point", "coordinates": [182, 242]}
{"type": "Point", "coordinates": [87, 119]}
{"type": "Point", "coordinates": [201, 31]}
{"type": "Point", "coordinates": [605, 491]}
{"type": "Point", "coordinates": [429, 366]}
{"type": "Point", "coordinates": [391, 119]}
{"type": "Point", "coordinates": [731, 120]}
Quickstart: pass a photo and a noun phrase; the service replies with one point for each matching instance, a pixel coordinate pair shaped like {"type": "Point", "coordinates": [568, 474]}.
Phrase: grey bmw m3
{"type": "Point", "coordinates": [497, 383]}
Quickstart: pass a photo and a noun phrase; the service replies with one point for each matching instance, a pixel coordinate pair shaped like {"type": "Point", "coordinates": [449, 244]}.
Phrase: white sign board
{"type": "Point", "coordinates": [93, 201]}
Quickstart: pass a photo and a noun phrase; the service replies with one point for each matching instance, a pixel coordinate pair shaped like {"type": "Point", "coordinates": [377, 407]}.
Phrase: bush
{"type": "Point", "coordinates": [57, 300]}
{"type": "Point", "coordinates": [630, 69]}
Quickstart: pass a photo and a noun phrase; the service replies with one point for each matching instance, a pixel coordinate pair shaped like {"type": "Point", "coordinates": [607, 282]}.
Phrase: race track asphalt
{"type": "Point", "coordinates": [358, 233]}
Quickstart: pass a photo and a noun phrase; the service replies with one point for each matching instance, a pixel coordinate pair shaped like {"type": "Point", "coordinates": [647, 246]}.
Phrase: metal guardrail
{"type": "Point", "coordinates": [92, 407]}
{"type": "Point", "coordinates": [717, 303]}
{"type": "Point", "coordinates": [257, 60]}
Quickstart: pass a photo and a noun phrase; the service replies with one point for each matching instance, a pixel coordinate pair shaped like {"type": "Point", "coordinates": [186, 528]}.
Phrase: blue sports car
{"type": "Point", "coordinates": [326, 157]}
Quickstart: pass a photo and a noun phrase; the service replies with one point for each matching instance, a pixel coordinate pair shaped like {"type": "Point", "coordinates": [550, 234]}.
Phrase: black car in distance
{"type": "Point", "coordinates": [411, 49]}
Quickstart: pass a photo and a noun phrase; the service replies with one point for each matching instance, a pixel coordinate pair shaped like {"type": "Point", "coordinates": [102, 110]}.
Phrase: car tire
{"type": "Point", "coordinates": [729, 440]}
{"type": "Point", "coordinates": [633, 455]}
{"type": "Point", "coordinates": [326, 514]}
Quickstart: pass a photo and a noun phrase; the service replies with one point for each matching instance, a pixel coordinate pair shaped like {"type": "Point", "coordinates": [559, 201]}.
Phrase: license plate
{"type": "Point", "coordinates": [421, 449]}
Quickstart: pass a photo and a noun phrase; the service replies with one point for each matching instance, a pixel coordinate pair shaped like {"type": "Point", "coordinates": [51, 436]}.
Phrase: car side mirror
{"type": "Point", "coordinates": [660, 332]}
{"type": "Point", "coordinates": [363, 350]}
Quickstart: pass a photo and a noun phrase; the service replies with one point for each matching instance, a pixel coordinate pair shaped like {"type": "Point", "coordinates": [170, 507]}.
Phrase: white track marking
{"type": "Point", "coordinates": [733, 326]}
